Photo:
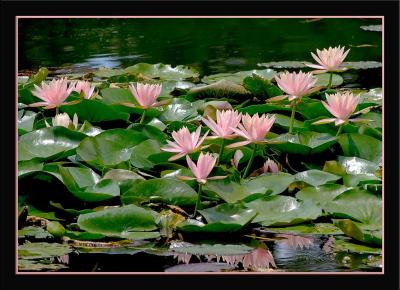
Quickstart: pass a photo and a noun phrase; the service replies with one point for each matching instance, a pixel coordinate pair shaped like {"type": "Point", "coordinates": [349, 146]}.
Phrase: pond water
{"type": "Point", "coordinates": [210, 45]}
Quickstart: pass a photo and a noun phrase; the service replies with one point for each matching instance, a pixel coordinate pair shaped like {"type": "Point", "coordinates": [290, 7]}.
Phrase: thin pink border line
{"type": "Point", "coordinates": [17, 272]}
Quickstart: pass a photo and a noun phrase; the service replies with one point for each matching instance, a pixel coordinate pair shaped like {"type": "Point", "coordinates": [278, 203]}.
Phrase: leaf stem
{"type": "Point", "coordinates": [198, 200]}
{"type": "Point", "coordinates": [339, 130]}
{"type": "Point", "coordinates": [57, 110]}
{"type": "Point", "coordinates": [292, 116]}
{"type": "Point", "coordinates": [143, 116]}
{"type": "Point", "coordinates": [253, 154]}
{"type": "Point", "coordinates": [221, 150]}
{"type": "Point", "coordinates": [330, 81]}
{"type": "Point", "coordinates": [242, 104]}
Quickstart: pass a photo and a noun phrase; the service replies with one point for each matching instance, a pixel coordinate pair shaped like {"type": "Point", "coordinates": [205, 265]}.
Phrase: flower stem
{"type": "Point", "coordinates": [292, 117]}
{"type": "Point", "coordinates": [253, 154]}
{"type": "Point", "coordinates": [221, 150]}
{"type": "Point", "coordinates": [330, 81]}
{"type": "Point", "coordinates": [143, 116]}
{"type": "Point", "coordinates": [198, 200]}
{"type": "Point", "coordinates": [339, 130]}
{"type": "Point", "coordinates": [57, 110]}
{"type": "Point", "coordinates": [242, 104]}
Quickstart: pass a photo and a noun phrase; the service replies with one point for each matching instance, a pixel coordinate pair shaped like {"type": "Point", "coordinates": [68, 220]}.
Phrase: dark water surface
{"type": "Point", "coordinates": [210, 45]}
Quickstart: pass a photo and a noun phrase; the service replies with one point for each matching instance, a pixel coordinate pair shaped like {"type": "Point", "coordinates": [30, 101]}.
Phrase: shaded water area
{"type": "Point", "coordinates": [211, 46]}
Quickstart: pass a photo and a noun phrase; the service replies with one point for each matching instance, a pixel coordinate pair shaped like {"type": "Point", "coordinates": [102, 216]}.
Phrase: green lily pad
{"type": "Point", "coordinates": [321, 195]}
{"type": "Point", "coordinates": [84, 183]}
{"type": "Point", "coordinates": [228, 214]}
{"type": "Point", "coordinates": [238, 77]}
{"type": "Point", "coordinates": [170, 191]}
{"type": "Point", "coordinates": [179, 110]}
{"type": "Point", "coordinates": [141, 152]}
{"type": "Point", "coordinates": [323, 80]}
{"type": "Point", "coordinates": [342, 245]}
{"type": "Point", "coordinates": [303, 143]}
{"type": "Point", "coordinates": [26, 120]}
{"type": "Point", "coordinates": [358, 204]}
{"type": "Point", "coordinates": [373, 96]}
{"type": "Point", "coordinates": [361, 146]}
{"type": "Point", "coordinates": [215, 249]}
{"type": "Point", "coordinates": [195, 226]}
{"type": "Point", "coordinates": [150, 132]}
{"type": "Point", "coordinates": [284, 122]}
{"type": "Point", "coordinates": [34, 232]}
{"type": "Point", "coordinates": [313, 229]}
{"type": "Point", "coordinates": [220, 89]}
{"type": "Point", "coordinates": [109, 148]}
{"type": "Point", "coordinates": [163, 71]}
{"type": "Point", "coordinates": [42, 250]}
{"type": "Point", "coordinates": [26, 167]}
{"type": "Point", "coordinates": [94, 111]}
{"type": "Point", "coordinates": [283, 210]}
{"type": "Point", "coordinates": [265, 108]}
{"type": "Point", "coordinates": [359, 231]}
{"type": "Point", "coordinates": [120, 175]}
{"type": "Point", "coordinates": [125, 222]}
{"type": "Point", "coordinates": [48, 143]}
{"type": "Point", "coordinates": [39, 266]}
{"type": "Point", "coordinates": [232, 192]}
{"type": "Point", "coordinates": [316, 177]}
{"type": "Point", "coordinates": [90, 130]}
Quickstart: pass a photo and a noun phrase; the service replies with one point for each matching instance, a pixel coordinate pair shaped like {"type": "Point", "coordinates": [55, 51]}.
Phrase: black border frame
{"type": "Point", "coordinates": [389, 9]}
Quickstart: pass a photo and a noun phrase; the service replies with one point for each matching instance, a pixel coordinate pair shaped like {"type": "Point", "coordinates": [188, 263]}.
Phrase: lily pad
{"type": "Point", "coordinates": [26, 120]}
{"type": "Point", "coordinates": [238, 77]}
{"type": "Point", "coordinates": [121, 175]}
{"type": "Point", "coordinates": [34, 232]}
{"type": "Point", "coordinates": [313, 229]}
{"type": "Point", "coordinates": [48, 143]}
{"type": "Point", "coordinates": [283, 210]}
{"type": "Point", "coordinates": [316, 177]}
{"type": "Point", "coordinates": [109, 148]}
{"type": "Point", "coordinates": [141, 152]}
{"type": "Point", "coordinates": [42, 250]}
{"type": "Point", "coordinates": [303, 143]}
{"type": "Point", "coordinates": [232, 192]}
{"type": "Point", "coordinates": [321, 195]}
{"type": "Point", "coordinates": [215, 249]}
{"type": "Point", "coordinates": [358, 204]}
{"type": "Point", "coordinates": [163, 71]}
{"type": "Point", "coordinates": [179, 110]}
{"type": "Point", "coordinates": [94, 111]}
{"type": "Point", "coordinates": [39, 266]}
{"type": "Point", "coordinates": [228, 214]}
{"type": "Point", "coordinates": [361, 146]}
{"type": "Point", "coordinates": [323, 80]}
{"type": "Point", "coordinates": [219, 89]}
{"type": "Point", "coordinates": [195, 226]}
{"type": "Point", "coordinates": [131, 222]}
{"type": "Point", "coordinates": [377, 28]}
{"type": "Point", "coordinates": [359, 232]}
{"type": "Point", "coordinates": [164, 190]}
{"type": "Point", "coordinates": [200, 267]}
{"type": "Point", "coordinates": [342, 245]}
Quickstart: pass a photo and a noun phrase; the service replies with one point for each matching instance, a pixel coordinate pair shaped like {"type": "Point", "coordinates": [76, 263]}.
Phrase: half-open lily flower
{"type": "Point", "coordinates": [225, 121]}
{"type": "Point", "coordinates": [146, 95]}
{"type": "Point", "coordinates": [329, 59]}
{"type": "Point", "coordinates": [253, 129]}
{"type": "Point", "coordinates": [270, 167]}
{"type": "Point", "coordinates": [296, 85]}
{"type": "Point", "coordinates": [64, 120]}
{"type": "Point", "coordinates": [53, 94]}
{"type": "Point", "coordinates": [342, 106]}
{"type": "Point", "coordinates": [202, 170]}
{"type": "Point", "coordinates": [85, 88]}
{"type": "Point", "coordinates": [185, 142]}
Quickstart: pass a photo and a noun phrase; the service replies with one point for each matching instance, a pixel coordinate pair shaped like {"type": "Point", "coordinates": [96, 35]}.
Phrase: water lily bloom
{"type": "Point", "coordinates": [253, 129]}
{"type": "Point", "coordinates": [53, 94]}
{"type": "Point", "coordinates": [329, 59]}
{"type": "Point", "coordinates": [225, 121]}
{"type": "Point", "coordinates": [146, 95]}
{"type": "Point", "coordinates": [185, 142]}
{"type": "Point", "coordinates": [202, 170]}
{"type": "Point", "coordinates": [85, 88]}
{"type": "Point", "coordinates": [270, 166]}
{"type": "Point", "coordinates": [296, 85]}
{"type": "Point", "coordinates": [64, 120]}
{"type": "Point", "coordinates": [342, 106]}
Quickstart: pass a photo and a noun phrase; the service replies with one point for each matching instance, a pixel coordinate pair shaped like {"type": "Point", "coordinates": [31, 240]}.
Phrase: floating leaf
{"type": "Point", "coordinates": [309, 229]}
{"type": "Point", "coordinates": [358, 232]}
{"type": "Point", "coordinates": [200, 267]}
{"type": "Point", "coordinates": [215, 249]}
{"type": "Point", "coordinates": [220, 89]}
{"type": "Point", "coordinates": [42, 250]}
{"type": "Point", "coordinates": [179, 110]}
{"type": "Point", "coordinates": [48, 143]}
{"type": "Point", "coordinates": [26, 120]}
{"type": "Point", "coordinates": [316, 177]}
{"type": "Point", "coordinates": [228, 214]}
{"type": "Point", "coordinates": [232, 192]}
{"type": "Point", "coordinates": [196, 226]}
{"type": "Point", "coordinates": [126, 222]}
{"type": "Point", "coordinates": [141, 152]}
{"type": "Point", "coordinates": [361, 146]}
{"type": "Point", "coordinates": [165, 190]}
{"type": "Point", "coordinates": [323, 80]}
{"type": "Point", "coordinates": [321, 195]}
{"type": "Point", "coordinates": [34, 232]}
{"type": "Point", "coordinates": [377, 28]}
{"type": "Point", "coordinates": [342, 245]}
{"type": "Point", "coordinates": [238, 77]}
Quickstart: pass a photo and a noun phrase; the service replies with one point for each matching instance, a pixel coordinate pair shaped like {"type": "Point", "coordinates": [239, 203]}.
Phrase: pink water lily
{"type": "Point", "coordinates": [270, 167]}
{"type": "Point", "coordinates": [342, 106]}
{"type": "Point", "coordinates": [329, 59]}
{"type": "Point", "coordinates": [225, 121]}
{"type": "Point", "coordinates": [185, 142]}
{"type": "Point", "coordinates": [85, 88]}
{"type": "Point", "coordinates": [53, 94]}
{"type": "Point", "coordinates": [253, 129]}
{"type": "Point", "coordinates": [146, 95]}
{"type": "Point", "coordinates": [202, 170]}
{"type": "Point", "coordinates": [296, 85]}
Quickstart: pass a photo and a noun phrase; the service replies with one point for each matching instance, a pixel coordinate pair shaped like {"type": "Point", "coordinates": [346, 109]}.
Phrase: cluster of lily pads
{"type": "Point", "coordinates": [151, 157]}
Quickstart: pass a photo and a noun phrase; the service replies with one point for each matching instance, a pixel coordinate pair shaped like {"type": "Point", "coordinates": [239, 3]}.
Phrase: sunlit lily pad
{"type": "Point", "coordinates": [195, 226]}
{"type": "Point", "coordinates": [232, 192]}
{"type": "Point", "coordinates": [215, 249]}
{"type": "Point", "coordinates": [239, 76]}
{"type": "Point", "coordinates": [228, 214]}
{"type": "Point", "coordinates": [321, 195]}
{"type": "Point", "coordinates": [316, 177]}
{"type": "Point", "coordinates": [131, 222]}
{"type": "Point", "coordinates": [34, 232]}
{"type": "Point", "coordinates": [26, 120]}
{"type": "Point", "coordinates": [313, 229]}
{"type": "Point", "coordinates": [42, 250]}
{"type": "Point", "coordinates": [48, 143]}
{"type": "Point", "coordinates": [361, 146]}
{"type": "Point", "coordinates": [359, 232]}
{"type": "Point", "coordinates": [283, 210]}
{"type": "Point", "coordinates": [179, 110]}
{"type": "Point", "coordinates": [342, 245]}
